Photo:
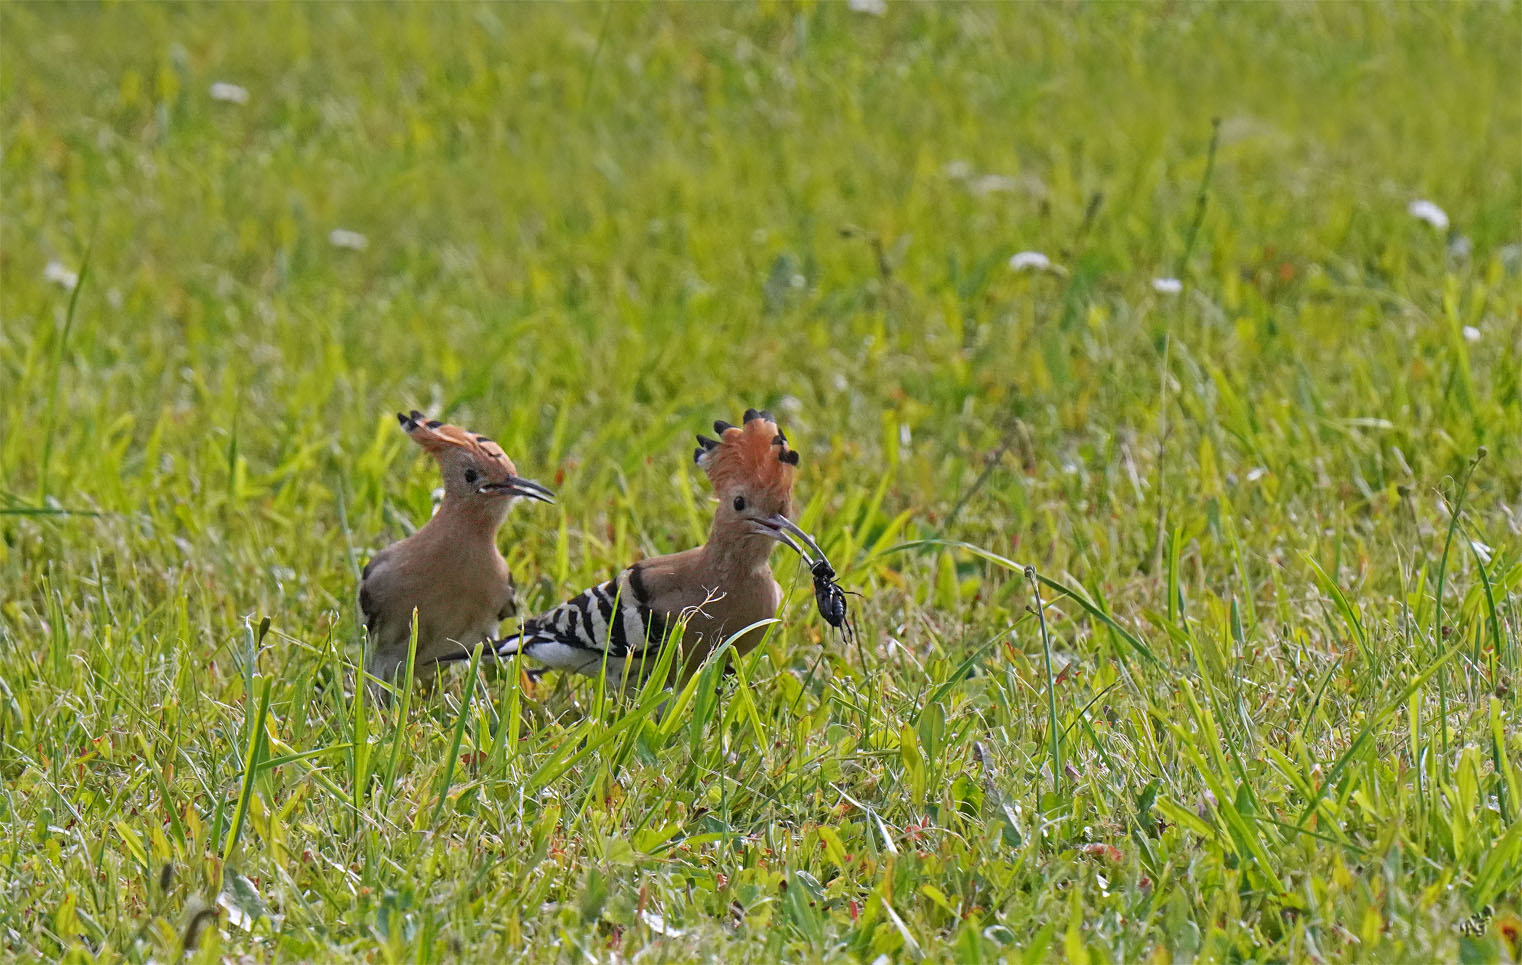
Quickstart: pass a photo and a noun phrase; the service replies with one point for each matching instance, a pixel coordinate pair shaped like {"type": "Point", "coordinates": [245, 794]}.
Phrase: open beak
{"type": "Point", "coordinates": [786, 532]}
{"type": "Point", "coordinates": [514, 486]}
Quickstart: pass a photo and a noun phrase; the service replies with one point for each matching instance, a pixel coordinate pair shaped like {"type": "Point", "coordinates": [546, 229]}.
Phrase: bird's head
{"type": "Point", "coordinates": [475, 468]}
{"type": "Point", "coordinates": [751, 469]}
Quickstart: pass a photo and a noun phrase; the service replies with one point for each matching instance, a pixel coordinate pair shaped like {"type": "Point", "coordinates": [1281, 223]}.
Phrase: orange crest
{"type": "Point", "coordinates": [441, 437]}
{"type": "Point", "coordinates": [755, 454]}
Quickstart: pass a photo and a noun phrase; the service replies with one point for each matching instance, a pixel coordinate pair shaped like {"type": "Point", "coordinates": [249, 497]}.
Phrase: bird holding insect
{"type": "Point", "coordinates": [829, 595]}
{"type": "Point", "coordinates": [716, 591]}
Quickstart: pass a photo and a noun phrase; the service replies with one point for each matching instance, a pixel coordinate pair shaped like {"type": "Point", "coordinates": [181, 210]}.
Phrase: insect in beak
{"type": "Point", "coordinates": [829, 597]}
{"type": "Point", "coordinates": [515, 486]}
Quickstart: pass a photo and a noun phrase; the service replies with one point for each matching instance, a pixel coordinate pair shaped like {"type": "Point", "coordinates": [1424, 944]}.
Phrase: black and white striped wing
{"type": "Point", "coordinates": [608, 625]}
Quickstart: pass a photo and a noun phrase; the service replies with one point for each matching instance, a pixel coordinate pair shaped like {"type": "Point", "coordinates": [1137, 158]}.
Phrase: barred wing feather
{"type": "Point", "coordinates": [609, 624]}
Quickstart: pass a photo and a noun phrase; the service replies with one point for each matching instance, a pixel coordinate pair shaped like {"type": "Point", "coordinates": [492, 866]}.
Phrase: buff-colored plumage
{"type": "Point", "coordinates": [716, 590]}
{"type": "Point", "coordinates": [450, 570]}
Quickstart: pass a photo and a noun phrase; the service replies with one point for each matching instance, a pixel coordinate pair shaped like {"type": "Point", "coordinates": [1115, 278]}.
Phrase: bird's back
{"type": "Point", "coordinates": [620, 625]}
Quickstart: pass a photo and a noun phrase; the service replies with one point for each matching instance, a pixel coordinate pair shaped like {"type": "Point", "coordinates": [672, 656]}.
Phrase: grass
{"type": "Point", "coordinates": [1273, 714]}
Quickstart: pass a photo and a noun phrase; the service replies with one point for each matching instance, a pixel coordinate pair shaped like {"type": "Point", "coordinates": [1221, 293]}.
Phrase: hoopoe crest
{"type": "Point", "coordinates": [472, 463]}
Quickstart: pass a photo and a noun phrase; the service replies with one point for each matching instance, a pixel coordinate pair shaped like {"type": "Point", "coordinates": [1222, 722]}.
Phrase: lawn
{"type": "Point", "coordinates": [1243, 432]}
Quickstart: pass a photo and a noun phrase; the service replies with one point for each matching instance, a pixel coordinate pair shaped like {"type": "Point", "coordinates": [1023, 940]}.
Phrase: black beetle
{"type": "Point", "coordinates": [831, 599]}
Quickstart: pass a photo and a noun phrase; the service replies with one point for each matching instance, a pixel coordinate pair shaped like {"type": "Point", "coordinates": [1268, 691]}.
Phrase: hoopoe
{"type": "Point", "coordinates": [717, 589]}
{"type": "Point", "coordinates": [450, 570]}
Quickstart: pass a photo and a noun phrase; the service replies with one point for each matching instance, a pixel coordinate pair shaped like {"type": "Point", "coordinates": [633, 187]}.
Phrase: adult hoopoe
{"type": "Point", "coordinates": [450, 570]}
{"type": "Point", "coordinates": [717, 589]}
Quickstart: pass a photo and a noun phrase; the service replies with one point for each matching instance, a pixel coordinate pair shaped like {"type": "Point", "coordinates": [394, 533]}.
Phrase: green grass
{"type": "Point", "coordinates": [1281, 677]}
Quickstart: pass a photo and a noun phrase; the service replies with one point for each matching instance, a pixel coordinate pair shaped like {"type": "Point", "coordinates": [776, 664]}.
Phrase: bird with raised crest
{"type": "Point", "coordinates": [450, 570]}
{"type": "Point", "coordinates": [714, 591]}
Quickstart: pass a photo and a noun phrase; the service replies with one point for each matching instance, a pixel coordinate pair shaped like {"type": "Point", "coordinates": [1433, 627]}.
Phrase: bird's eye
{"type": "Point", "coordinates": [471, 475]}
{"type": "Point", "coordinates": [739, 503]}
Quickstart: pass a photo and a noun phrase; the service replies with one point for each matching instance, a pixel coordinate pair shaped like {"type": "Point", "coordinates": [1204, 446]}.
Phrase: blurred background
{"type": "Point", "coordinates": [589, 231]}
{"type": "Point", "coordinates": [995, 267]}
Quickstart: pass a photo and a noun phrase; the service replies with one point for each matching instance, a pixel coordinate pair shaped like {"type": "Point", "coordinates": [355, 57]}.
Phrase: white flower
{"type": "Point", "coordinates": [1481, 550]}
{"type": "Point", "coordinates": [1167, 286]}
{"type": "Point", "coordinates": [235, 915]}
{"type": "Point", "coordinates": [229, 93]}
{"type": "Point", "coordinates": [59, 274]}
{"type": "Point", "coordinates": [1030, 261]}
{"type": "Point", "coordinates": [1427, 211]}
{"type": "Point", "coordinates": [1471, 334]}
{"type": "Point", "coordinates": [986, 184]}
{"type": "Point", "coordinates": [344, 238]}
{"type": "Point", "coordinates": [875, 7]}
{"type": "Point", "coordinates": [657, 923]}
{"type": "Point", "coordinates": [1511, 258]}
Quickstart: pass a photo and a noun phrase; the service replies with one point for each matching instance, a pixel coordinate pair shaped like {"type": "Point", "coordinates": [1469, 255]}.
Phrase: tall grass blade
{"type": "Point", "coordinates": [250, 769]}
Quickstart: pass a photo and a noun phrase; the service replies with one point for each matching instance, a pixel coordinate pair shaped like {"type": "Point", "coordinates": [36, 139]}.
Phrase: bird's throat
{"type": "Point", "coordinates": [732, 552]}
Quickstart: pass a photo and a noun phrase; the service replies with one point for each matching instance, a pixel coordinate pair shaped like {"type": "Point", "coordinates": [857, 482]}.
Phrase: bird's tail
{"type": "Point", "coordinates": [507, 646]}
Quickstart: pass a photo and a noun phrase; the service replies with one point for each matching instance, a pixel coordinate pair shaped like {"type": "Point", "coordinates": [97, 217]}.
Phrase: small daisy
{"type": "Point", "coordinates": [1167, 286]}
{"type": "Point", "coordinates": [1030, 261]}
{"type": "Point", "coordinates": [1423, 210]}
{"type": "Point", "coordinates": [986, 184]}
{"type": "Point", "coordinates": [1471, 334]}
{"type": "Point", "coordinates": [59, 274]}
{"type": "Point", "coordinates": [1511, 257]}
{"type": "Point", "coordinates": [229, 93]}
{"type": "Point", "coordinates": [344, 238]}
{"type": "Point", "coordinates": [657, 923]}
{"type": "Point", "coordinates": [957, 170]}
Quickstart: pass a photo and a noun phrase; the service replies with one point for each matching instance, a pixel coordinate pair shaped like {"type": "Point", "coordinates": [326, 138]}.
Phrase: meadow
{"type": "Point", "coordinates": [1189, 545]}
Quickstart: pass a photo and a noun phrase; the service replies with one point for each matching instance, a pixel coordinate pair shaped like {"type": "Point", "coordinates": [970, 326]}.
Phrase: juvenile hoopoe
{"type": "Point", "coordinates": [717, 589]}
{"type": "Point", "coordinates": [450, 570]}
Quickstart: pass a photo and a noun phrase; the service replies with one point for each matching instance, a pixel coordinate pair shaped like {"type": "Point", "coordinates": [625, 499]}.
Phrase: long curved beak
{"type": "Point", "coordinates": [515, 486]}
{"type": "Point", "coordinates": [785, 531]}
